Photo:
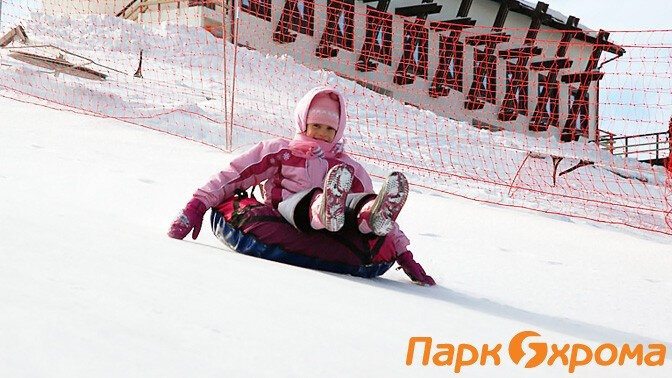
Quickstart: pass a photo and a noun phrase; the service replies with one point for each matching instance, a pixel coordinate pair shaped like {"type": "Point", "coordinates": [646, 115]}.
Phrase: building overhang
{"type": "Point", "coordinates": [558, 21]}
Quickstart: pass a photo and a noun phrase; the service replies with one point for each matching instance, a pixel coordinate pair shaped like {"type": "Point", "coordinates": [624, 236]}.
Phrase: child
{"type": "Point", "coordinates": [311, 181]}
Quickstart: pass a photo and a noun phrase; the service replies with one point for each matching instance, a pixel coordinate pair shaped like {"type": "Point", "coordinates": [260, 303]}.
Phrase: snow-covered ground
{"type": "Point", "coordinates": [90, 285]}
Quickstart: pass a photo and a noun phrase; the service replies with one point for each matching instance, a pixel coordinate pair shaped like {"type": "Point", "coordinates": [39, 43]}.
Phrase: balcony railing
{"type": "Point", "coordinates": [134, 7]}
{"type": "Point", "coordinates": [657, 145]}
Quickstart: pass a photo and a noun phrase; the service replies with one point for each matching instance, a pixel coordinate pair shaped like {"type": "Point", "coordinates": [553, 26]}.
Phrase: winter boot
{"type": "Point", "coordinates": [388, 204]}
{"type": "Point", "coordinates": [337, 185]}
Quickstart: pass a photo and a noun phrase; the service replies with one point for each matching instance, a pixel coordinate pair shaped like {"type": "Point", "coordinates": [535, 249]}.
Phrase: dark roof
{"type": "Point", "coordinates": [558, 21]}
{"type": "Point", "coordinates": [552, 18]}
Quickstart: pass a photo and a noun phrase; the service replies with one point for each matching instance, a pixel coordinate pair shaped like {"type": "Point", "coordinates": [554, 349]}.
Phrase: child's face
{"type": "Point", "coordinates": [321, 132]}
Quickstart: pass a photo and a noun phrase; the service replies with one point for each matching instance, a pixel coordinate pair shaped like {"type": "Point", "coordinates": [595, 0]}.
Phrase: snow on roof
{"type": "Point", "coordinates": [558, 16]}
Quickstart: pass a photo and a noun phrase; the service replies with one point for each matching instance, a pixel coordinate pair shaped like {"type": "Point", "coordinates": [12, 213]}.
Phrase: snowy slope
{"type": "Point", "coordinates": [181, 93]}
{"type": "Point", "coordinates": [91, 286]}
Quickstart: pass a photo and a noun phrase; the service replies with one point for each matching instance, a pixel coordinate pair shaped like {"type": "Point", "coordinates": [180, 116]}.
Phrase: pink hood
{"type": "Point", "coordinates": [301, 114]}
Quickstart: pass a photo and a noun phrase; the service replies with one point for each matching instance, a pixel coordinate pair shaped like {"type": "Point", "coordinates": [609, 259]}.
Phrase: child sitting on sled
{"type": "Point", "coordinates": [312, 182]}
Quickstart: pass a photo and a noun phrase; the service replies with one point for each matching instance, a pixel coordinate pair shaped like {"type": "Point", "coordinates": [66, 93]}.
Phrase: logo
{"type": "Point", "coordinates": [516, 349]}
{"type": "Point", "coordinates": [527, 349]}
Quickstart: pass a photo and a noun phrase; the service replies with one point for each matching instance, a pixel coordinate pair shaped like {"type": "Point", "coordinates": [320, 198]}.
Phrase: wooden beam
{"type": "Point", "coordinates": [420, 10]}
{"type": "Point", "coordinates": [572, 22]}
{"type": "Point", "coordinates": [540, 10]}
{"type": "Point", "coordinates": [602, 40]}
{"type": "Point", "coordinates": [521, 52]}
{"type": "Point", "coordinates": [538, 17]}
{"type": "Point", "coordinates": [582, 77]}
{"type": "Point", "coordinates": [487, 38]}
{"type": "Point", "coordinates": [502, 13]}
{"type": "Point", "coordinates": [383, 5]}
{"type": "Point", "coordinates": [122, 12]}
{"type": "Point", "coordinates": [456, 24]}
{"type": "Point", "coordinates": [525, 9]}
{"type": "Point", "coordinates": [553, 64]}
{"type": "Point", "coordinates": [465, 6]}
{"type": "Point", "coordinates": [567, 36]}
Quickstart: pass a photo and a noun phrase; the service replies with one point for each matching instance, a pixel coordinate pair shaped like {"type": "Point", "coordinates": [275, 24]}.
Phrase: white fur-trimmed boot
{"type": "Point", "coordinates": [337, 185]}
{"type": "Point", "coordinates": [381, 213]}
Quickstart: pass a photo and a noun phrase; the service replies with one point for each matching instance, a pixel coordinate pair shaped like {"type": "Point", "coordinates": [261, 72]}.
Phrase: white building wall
{"type": "Point", "coordinates": [83, 6]}
{"type": "Point", "coordinates": [188, 16]}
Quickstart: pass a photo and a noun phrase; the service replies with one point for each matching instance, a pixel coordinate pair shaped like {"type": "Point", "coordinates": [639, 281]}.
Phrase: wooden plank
{"type": "Point", "coordinates": [58, 65]}
{"type": "Point", "coordinates": [456, 24]}
{"type": "Point", "coordinates": [485, 126]}
{"type": "Point", "coordinates": [553, 64]}
{"type": "Point", "coordinates": [383, 5]}
{"type": "Point", "coordinates": [567, 36]}
{"type": "Point", "coordinates": [582, 77]}
{"type": "Point", "coordinates": [465, 6]}
{"type": "Point", "coordinates": [537, 18]}
{"type": "Point", "coordinates": [122, 12]}
{"type": "Point", "coordinates": [520, 52]}
{"type": "Point", "coordinates": [526, 9]}
{"type": "Point", "coordinates": [483, 39]}
{"type": "Point", "coordinates": [420, 10]}
{"type": "Point", "coordinates": [502, 13]}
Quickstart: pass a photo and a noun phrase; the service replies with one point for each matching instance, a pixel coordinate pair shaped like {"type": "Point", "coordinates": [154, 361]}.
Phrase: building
{"type": "Point", "coordinates": [497, 64]}
{"type": "Point", "coordinates": [197, 13]}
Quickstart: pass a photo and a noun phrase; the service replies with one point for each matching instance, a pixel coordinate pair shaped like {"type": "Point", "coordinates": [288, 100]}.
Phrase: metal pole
{"type": "Point", "coordinates": [669, 149]}
{"type": "Point", "coordinates": [236, 24]}
{"type": "Point", "coordinates": [225, 12]}
{"type": "Point", "coordinates": [0, 28]}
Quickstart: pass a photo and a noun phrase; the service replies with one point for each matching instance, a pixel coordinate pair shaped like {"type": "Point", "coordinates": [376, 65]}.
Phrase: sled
{"type": "Point", "coordinates": [58, 65]}
{"type": "Point", "coordinates": [56, 62]}
{"type": "Point", "coordinates": [252, 228]}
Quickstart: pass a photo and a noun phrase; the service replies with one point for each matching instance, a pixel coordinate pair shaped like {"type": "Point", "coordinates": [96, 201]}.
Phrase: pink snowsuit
{"type": "Point", "coordinates": [290, 167]}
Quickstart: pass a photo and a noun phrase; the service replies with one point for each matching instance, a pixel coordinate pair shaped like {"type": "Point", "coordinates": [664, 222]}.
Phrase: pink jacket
{"type": "Point", "coordinates": [290, 167]}
{"type": "Point", "coordinates": [287, 166]}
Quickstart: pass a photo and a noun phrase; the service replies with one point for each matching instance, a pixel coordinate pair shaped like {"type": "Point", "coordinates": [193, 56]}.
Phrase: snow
{"type": "Point", "coordinates": [90, 285]}
{"type": "Point", "coordinates": [181, 93]}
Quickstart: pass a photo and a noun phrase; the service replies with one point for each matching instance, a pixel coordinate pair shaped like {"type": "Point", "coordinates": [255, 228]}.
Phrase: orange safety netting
{"type": "Point", "coordinates": [500, 102]}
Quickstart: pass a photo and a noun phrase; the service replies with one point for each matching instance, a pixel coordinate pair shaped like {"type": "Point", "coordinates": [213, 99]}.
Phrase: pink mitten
{"type": "Point", "coordinates": [414, 270]}
{"type": "Point", "coordinates": [190, 218]}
